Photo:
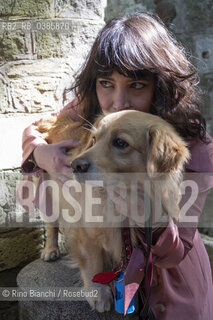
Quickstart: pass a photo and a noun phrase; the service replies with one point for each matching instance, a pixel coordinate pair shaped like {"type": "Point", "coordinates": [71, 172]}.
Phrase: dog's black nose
{"type": "Point", "coordinates": [80, 165]}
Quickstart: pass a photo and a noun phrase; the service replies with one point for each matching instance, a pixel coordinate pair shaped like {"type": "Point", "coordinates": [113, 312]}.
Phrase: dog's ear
{"type": "Point", "coordinates": [166, 150]}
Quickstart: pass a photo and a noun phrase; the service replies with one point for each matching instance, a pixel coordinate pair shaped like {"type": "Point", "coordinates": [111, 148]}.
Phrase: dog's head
{"type": "Point", "coordinates": [136, 142]}
{"type": "Point", "coordinates": [132, 141]}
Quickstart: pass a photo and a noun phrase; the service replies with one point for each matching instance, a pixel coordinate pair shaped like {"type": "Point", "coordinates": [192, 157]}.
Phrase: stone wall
{"type": "Point", "coordinates": [42, 45]}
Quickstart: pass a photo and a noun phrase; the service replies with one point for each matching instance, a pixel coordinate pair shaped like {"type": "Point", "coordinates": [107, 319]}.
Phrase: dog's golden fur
{"type": "Point", "coordinates": [152, 147]}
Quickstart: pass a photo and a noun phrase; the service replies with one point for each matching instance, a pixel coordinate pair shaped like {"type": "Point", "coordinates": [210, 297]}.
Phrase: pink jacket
{"type": "Point", "coordinates": [182, 284]}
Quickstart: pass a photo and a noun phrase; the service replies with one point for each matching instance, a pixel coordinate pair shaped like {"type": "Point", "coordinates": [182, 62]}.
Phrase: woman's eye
{"type": "Point", "coordinates": [119, 143]}
{"type": "Point", "coordinates": [138, 85]}
{"type": "Point", "coordinates": [105, 84]}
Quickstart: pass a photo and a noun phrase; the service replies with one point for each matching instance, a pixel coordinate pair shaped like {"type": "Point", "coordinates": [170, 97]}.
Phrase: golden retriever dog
{"type": "Point", "coordinates": [132, 142]}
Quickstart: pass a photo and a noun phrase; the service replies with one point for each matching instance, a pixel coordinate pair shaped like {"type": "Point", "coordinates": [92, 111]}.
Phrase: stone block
{"type": "Point", "coordinates": [36, 87]}
{"type": "Point", "coordinates": [82, 9]}
{"type": "Point", "coordinates": [178, 24]}
{"type": "Point", "coordinates": [35, 94]}
{"type": "Point", "coordinates": [118, 8]}
{"type": "Point", "coordinates": [8, 182]}
{"type": "Point", "coordinates": [4, 193]}
{"type": "Point", "coordinates": [3, 217]}
{"type": "Point", "coordinates": [27, 8]}
{"type": "Point", "coordinates": [56, 275]}
{"type": "Point", "coordinates": [12, 45]}
{"type": "Point", "coordinates": [192, 17]}
{"type": "Point", "coordinates": [206, 84]}
{"type": "Point", "coordinates": [48, 45]}
{"type": "Point", "coordinates": [4, 95]}
{"type": "Point", "coordinates": [198, 16]}
{"type": "Point", "coordinates": [203, 51]}
{"type": "Point", "coordinates": [48, 67]}
{"type": "Point", "coordinates": [73, 44]}
{"type": "Point", "coordinates": [19, 246]}
{"type": "Point", "coordinates": [12, 214]}
{"type": "Point", "coordinates": [40, 86]}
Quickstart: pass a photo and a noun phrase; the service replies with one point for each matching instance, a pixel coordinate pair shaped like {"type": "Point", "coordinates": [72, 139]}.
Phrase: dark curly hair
{"type": "Point", "coordinates": [137, 45]}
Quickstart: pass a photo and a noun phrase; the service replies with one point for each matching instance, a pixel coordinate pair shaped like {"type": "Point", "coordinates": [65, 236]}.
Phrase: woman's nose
{"type": "Point", "coordinates": [120, 100]}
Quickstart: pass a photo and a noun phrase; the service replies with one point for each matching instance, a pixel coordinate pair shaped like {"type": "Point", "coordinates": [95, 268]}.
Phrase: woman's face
{"type": "Point", "coordinates": [117, 92]}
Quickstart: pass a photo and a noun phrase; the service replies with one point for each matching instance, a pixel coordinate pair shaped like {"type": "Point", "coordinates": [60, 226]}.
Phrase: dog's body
{"type": "Point", "coordinates": [125, 142]}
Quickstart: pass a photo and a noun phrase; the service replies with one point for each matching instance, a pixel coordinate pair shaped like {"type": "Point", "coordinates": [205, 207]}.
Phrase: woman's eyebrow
{"type": "Point", "coordinates": [138, 79]}
{"type": "Point", "coordinates": [142, 77]}
{"type": "Point", "coordinates": [105, 77]}
{"type": "Point", "coordinates": [130, 79]}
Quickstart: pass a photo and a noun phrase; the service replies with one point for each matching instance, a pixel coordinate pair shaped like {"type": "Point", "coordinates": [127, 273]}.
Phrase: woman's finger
{"type": "Point", "coordinates": [69, 143]}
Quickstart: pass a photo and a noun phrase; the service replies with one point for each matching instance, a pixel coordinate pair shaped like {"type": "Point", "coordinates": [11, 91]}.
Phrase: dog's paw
{"type": "Point", "coordinates": [50, 254]}
{"type": "Point", "coordinates": [104, 298]}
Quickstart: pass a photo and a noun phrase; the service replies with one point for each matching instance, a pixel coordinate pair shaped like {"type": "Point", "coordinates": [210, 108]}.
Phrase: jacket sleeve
{"type": "Point", "coordinates": [31, 138]}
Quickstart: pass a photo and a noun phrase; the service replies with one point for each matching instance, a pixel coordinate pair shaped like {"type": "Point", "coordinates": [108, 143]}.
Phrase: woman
{"type": "Point", "coordinates": [135, 63]}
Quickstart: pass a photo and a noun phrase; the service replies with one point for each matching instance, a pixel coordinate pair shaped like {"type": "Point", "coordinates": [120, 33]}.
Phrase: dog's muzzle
{"type": "Point", "coordinates": [80, 165]}
{"type": "Point", "coordinates": [84, 170]}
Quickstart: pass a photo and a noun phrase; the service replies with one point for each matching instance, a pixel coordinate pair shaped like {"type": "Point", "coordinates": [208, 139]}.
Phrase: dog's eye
{"type": "Point", "coordinates": [120, 143]}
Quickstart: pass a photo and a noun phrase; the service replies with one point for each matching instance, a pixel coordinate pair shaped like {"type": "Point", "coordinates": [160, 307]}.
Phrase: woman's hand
{"type": "Point", "coordinates": [53, 158]}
